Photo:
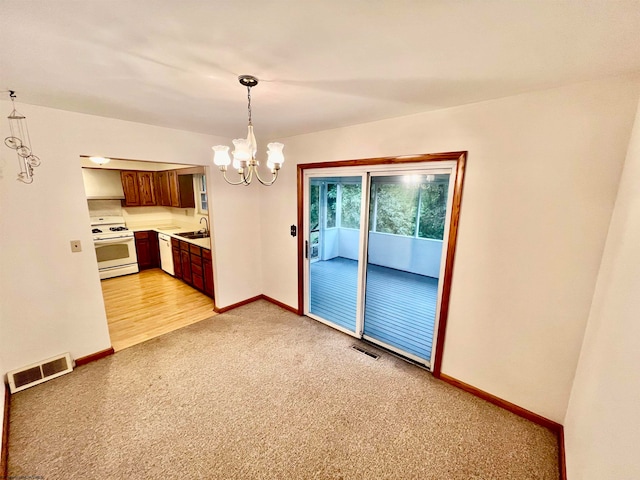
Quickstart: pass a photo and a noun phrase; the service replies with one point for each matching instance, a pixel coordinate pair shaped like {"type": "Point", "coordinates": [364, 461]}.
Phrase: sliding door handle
{"type": "Point", "coordinates": [306, 249]}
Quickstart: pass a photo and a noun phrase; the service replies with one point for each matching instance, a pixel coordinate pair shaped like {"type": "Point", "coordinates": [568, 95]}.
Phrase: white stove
{"type": "Point", "coordinates": [115, 246]}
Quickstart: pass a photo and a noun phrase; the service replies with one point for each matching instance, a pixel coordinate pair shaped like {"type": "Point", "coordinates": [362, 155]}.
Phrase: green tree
{"type": "Point", "coordinates": [332, 196]}
{"type": "Point", "coordinates": [433, 210]}
{"type": "Point", "coordinates": [350, 211]}
{"type": "Point", "coordinates": [397, 207]}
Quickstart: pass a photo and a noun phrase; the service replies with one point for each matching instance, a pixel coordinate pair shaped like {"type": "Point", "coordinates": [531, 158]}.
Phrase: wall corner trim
{"type": "Point", "coordinates": [94, 356]}
{"type": "Point", "coordinates": [255, 299]}
{"type": "Point", "coordinates": [280, 304]}
{"type": "Point", "coordinates": [555, 427]}
{"type": "Point", "coordinates": [4, 456]}
{"type": "Point", "coordinates": [236, 305]}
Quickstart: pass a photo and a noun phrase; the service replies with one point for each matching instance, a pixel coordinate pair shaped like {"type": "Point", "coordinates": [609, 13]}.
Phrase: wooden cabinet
{"type": "Point", "coordinates": [185, 261]}
{"type": "Point", "coordinates": [147, 249]}
{"type": "Point", "coordinates": [174, 190]}
{"type": "Point", "coordinates": [163, 192]}
{"type": "Point", "coordinates": [131, 188]}
{"type": "Point", "coordinates": [184, 193]}
{"type": "Point", "coordinates": [147, 189]}
{"type": "Point", "coordinates": [207, 272]}
{"type": "Point", "coordinates": [139, 188]}
{"type": "Point", "coordinates": [192, 264]}
{"type": "Point", "coordinates": [177, 261]}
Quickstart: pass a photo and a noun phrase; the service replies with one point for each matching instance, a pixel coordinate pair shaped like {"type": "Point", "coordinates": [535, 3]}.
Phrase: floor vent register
{"type": "Point", "coordinates": [37, 373]}
{"type": "Point", "coordinates": [358, 348]}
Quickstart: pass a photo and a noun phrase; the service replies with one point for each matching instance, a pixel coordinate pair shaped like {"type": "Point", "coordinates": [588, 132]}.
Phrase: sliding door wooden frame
{"type": "Point", "coordinates": [460, 158]}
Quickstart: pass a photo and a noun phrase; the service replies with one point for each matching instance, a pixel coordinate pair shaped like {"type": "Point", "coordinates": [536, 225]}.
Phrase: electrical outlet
{"type": "Point", "coordinates": [76, 246]}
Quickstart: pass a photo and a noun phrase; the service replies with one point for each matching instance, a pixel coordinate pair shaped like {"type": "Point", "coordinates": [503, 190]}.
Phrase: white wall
{"type": "Point", "coordinates": [602, 431]}
{"type": "Point", "coordinates": [542, 176]}
{"type": "Point", "coordinates": [51, 300]}
{"type": "Point", "coordinates": [415, 255]}
{"type": "Point", "coordinates": [330, 243]}
{"type": "Point", "coordinates": [409, 254]}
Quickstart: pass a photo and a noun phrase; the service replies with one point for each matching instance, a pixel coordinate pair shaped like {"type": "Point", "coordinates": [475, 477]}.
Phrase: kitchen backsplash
{"type": "Point", "coordinates": [104, 208]}
{"type": "Point", "coordinates": [136, 217]}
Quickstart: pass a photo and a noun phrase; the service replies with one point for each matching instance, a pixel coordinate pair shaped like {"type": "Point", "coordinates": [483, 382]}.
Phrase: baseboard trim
{"type": "Point", "coordinates": [512, 407]}
{"type": "Point", "coordinates": [280, 304]}
{"type": "Point", "coordinates": [4, 456]}
{"type": "Point", "coordinates": [94, 356]}
{"type": "Point", "coordinates": [236, 305]}
{"type": "Point", "coordinates": [562, 459]}
{"type": "Point", "coordinates": [255, 299]}
{"type": "Point", "coordinates": [521, 412]}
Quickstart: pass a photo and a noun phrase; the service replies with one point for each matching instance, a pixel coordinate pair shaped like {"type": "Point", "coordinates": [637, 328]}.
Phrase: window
{"type": "Point", "coordinates": [201, 187]}
{"type": "Point", "coordinates": [396, 207]}
{"type": "Point", "coordinates": [417, 207]}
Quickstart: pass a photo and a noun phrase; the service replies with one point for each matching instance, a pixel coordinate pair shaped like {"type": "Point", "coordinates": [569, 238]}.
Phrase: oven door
{"type": "Point", "coordinates": [116, 255]}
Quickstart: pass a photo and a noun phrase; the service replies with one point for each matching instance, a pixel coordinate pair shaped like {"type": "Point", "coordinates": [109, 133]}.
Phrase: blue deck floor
{"type": "Point", "coordinates": [399, 306]}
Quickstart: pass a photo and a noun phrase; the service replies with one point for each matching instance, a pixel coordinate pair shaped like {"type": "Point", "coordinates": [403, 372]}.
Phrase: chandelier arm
{"type": "Point", "coordinates": [267, 183]}
{"type": "Point", "coordinates": [246, 179]}
{"type": "Point", "coordinates": [224, 174]}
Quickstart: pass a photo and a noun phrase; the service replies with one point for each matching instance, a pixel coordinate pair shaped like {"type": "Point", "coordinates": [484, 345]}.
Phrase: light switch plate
{"type": "Point", "coordinates": [76, 246]}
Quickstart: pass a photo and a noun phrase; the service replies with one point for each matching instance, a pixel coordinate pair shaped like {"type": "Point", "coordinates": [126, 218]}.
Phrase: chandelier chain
{"type": "Point", "coordinates": [249, 103]}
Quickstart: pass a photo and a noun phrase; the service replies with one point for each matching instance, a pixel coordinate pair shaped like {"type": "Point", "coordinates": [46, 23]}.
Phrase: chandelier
{"type": "Point", "coordinates": [244, 155]}
{"type": "Point", "coordinates": [20, 142]}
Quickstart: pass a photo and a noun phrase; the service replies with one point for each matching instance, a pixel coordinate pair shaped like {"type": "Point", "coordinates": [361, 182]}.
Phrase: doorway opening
{"type": "Point", "coordinates": [161, 211]}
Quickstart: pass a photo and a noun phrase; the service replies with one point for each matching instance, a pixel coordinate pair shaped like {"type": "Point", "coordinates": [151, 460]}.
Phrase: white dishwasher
{"type": "Point", "coordinates": [166, 255]}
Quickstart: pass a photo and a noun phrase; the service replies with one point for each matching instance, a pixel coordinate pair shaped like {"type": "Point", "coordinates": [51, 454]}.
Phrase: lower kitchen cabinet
{"type": "Point", "coordinates": [207, 272]}
{"type": "Point", "coordinates": [147, 249]}
{"type": "Point", "coordinates": [177, 262]}
{"type": "Point", "coordinates": [185, 261]}
{"type": "Point", "coordinates": [192, 264]}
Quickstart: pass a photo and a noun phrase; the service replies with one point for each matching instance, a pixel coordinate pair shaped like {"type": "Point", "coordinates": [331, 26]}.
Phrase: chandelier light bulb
{"type": "Point", "coordinates": [275, 157]}
{"type": "Point", "coordinates": [221, 155]}
{"type": "Point", "coordinates": [242, 153]}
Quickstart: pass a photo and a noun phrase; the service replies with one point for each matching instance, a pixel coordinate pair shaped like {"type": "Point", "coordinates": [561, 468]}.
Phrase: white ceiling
{"type": "Point", "coordinates": [321, 64]}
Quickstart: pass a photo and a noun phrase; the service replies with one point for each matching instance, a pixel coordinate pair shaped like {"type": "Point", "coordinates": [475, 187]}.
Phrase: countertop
{"type": "Point", "coordinates": [172, 230]}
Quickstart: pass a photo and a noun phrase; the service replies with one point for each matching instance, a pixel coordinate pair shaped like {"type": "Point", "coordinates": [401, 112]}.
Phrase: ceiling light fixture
{"type": "Point", "coordinates": [244, 155]}
{"type": "Point", "coordinates": [21, 143]}
{"type": "Point", "coordinates": [100, 160]}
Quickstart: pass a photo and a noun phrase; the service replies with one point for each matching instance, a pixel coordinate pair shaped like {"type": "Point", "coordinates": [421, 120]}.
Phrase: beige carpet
{"type": "Point", "coordinates": [259, 392]}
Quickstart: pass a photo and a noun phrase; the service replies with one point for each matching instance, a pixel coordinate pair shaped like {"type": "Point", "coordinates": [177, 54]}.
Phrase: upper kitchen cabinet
{"type": "Point", "coordinates": [175, 190]}
{"type": "Point", "coordinates": [131, 188]}
{"type": "Point", "coordinates": [147, 189]}
{"type": "Point", "coordinates": [184, 193]}
{"type": "Point", "coordinates": [139, 188]}
{"type": "Point", "coordinates": [163, 190]}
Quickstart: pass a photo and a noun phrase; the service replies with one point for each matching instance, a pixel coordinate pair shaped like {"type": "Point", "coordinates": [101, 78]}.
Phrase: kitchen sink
{"type": "Point", "coordinates": [193, 235]}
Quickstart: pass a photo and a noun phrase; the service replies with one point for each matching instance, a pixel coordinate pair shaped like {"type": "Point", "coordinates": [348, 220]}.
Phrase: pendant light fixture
{"type": "Point", "coordinates": [20, 142]}
{"type": "Point", "coordinates": [244, 155]}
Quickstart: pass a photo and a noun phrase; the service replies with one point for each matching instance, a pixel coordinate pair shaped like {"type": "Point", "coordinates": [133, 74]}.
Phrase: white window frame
{"type": "Point", "coordinates": [201, 187]}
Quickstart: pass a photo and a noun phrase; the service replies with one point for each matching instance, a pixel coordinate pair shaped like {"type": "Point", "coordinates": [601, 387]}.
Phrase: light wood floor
{"type": "Point", "coordinates": [148, 304]}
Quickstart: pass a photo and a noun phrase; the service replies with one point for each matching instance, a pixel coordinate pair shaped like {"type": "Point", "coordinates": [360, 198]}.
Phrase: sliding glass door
{"type": "Point", "coordinates": [375, 250]}
{"type": "Point", "coordinates": [333, 253]}
{"type": "Point", "coordinates": [407, 216]}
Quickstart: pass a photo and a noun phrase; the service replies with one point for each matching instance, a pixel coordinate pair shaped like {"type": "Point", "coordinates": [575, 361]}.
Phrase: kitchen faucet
{"type": "Point", "coordinates": [207, 223]}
